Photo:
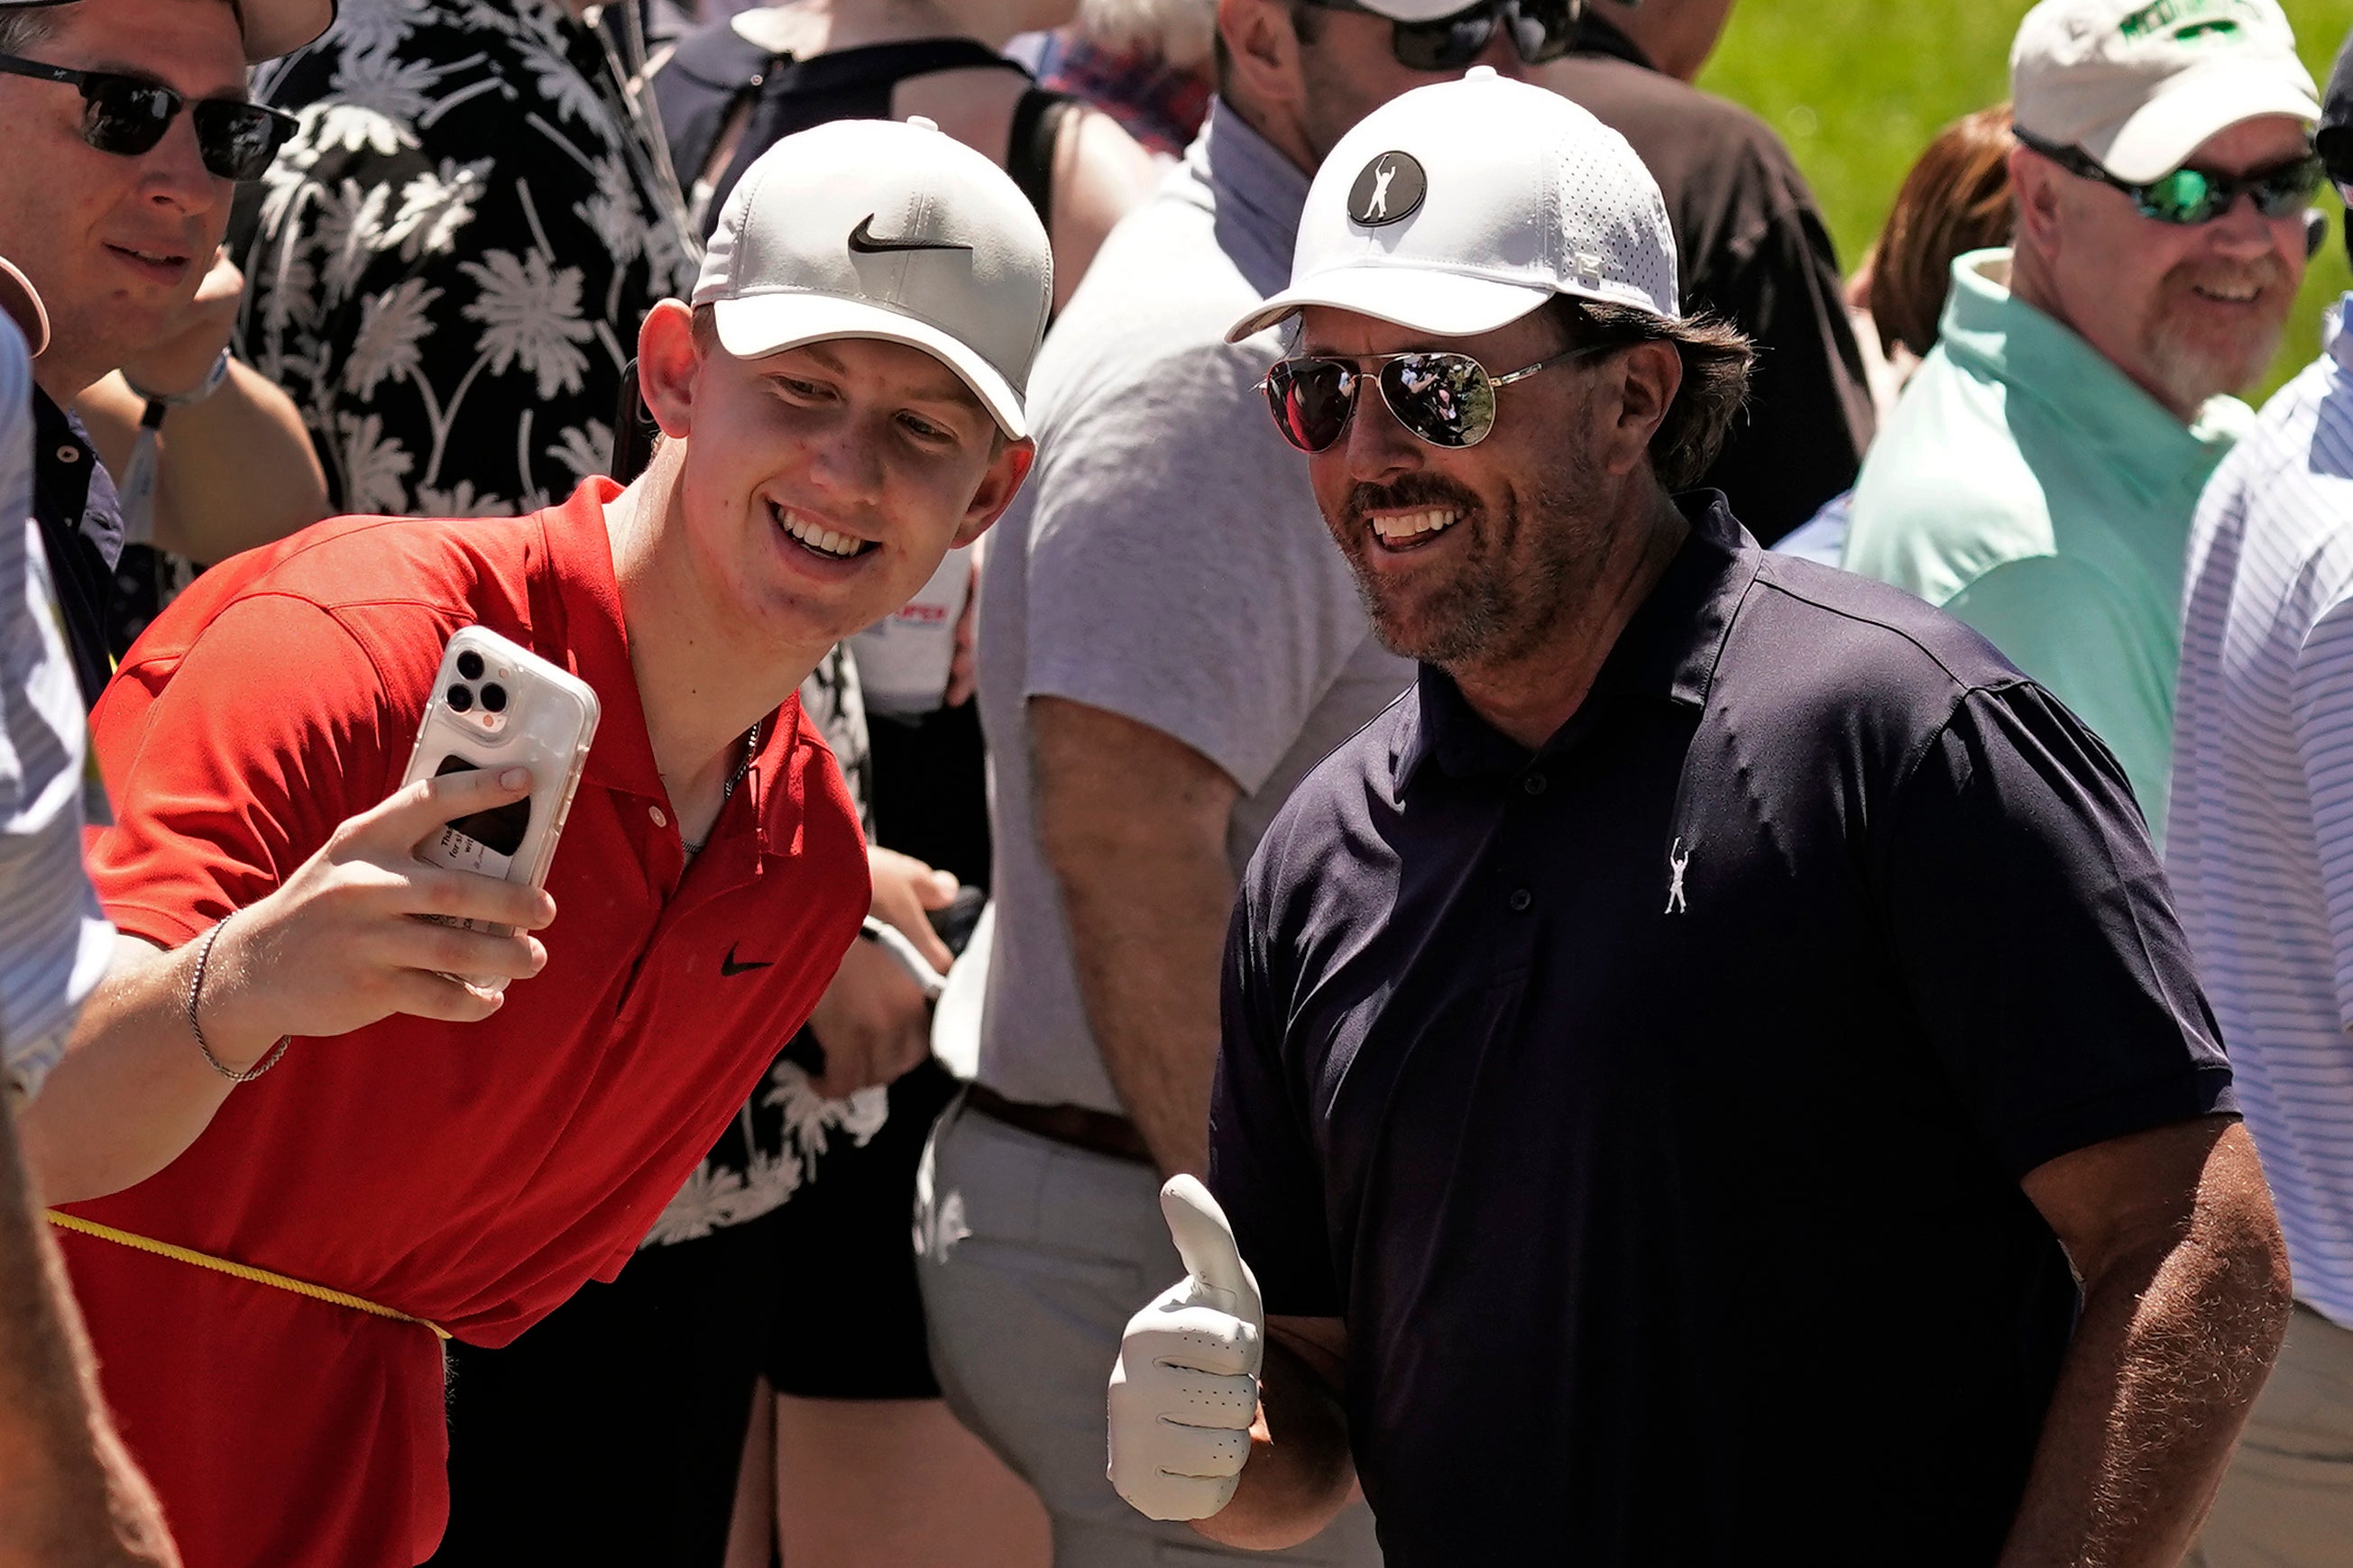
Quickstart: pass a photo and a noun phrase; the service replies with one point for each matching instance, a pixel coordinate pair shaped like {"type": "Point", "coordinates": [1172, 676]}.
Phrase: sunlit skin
{"type": "Point", "coordinates": [2188, 311]}
{"type": "Point", "coordinates": [116, 245]}
{"type": "Point", "coordinates": [727, 612]}
{"type": "Point", "coordinates": [1304, 96]}
{"type": "Point", "coordinates": [1350, 71]}
{"type": "Point", "coordinates": [874, 441]}
{"type": "Point", "coordinates": [1561, 526]}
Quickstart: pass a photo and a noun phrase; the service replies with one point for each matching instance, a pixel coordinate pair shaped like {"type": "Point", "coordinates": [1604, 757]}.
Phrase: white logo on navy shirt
{"type": "Point", "coordinates": [1677, 859]}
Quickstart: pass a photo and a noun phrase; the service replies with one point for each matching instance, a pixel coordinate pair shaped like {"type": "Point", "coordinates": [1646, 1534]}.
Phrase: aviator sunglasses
{"type": "Point", "coordinates": [128, 115]}
{"type": "Point", "coordinates": [1447, 399]}
{"type": "Point", "coordinates": [1540, 30]}
{"type": "Point", "coordinates": [2194, 196]}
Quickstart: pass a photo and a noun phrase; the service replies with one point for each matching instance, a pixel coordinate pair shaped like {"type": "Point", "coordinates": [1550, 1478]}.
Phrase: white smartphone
{"type": "Point", "coordinates": [498, 705]}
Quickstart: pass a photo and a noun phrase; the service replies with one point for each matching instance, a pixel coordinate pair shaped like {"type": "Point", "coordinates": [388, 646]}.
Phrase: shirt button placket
{"type": "Point", "coordinates": [1520, 901]}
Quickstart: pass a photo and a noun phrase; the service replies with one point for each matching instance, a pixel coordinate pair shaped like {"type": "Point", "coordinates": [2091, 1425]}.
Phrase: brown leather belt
{"type": "Point", "coordinates": [1096, 1132]}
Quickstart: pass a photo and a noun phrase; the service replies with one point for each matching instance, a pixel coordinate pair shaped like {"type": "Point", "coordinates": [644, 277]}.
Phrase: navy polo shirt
{"type": "Point", "coordinates": [1653, 1106]}
{"type": "Point", "coordinates": [81, 528]}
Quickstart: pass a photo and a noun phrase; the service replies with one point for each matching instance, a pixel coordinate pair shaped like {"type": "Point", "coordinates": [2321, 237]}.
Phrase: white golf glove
{"type": "Point", "coordinates": [1184, 1391]}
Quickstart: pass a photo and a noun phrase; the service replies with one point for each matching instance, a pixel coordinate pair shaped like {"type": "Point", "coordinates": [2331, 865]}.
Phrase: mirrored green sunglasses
{"type": "Point", "coordinates": [2198, 195]}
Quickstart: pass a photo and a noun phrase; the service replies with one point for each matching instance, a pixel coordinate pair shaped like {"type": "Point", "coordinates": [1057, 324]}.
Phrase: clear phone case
{"type": "Point", "coordinates": [497, 705]}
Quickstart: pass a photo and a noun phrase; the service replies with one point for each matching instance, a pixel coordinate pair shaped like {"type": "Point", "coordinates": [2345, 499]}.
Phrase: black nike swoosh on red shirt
{"type": "Point", "coordinates": [862, 240]}
{"type": "Point", "coordinates": [730, 968]}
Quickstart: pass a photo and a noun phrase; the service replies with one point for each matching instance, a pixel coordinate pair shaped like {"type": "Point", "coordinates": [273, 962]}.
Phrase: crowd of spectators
{"type": "Point", "coordinates": [1627, 980]}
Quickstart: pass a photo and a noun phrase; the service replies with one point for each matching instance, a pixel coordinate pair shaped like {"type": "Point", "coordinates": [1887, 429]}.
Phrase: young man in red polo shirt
{"type": "Point", "coordinates": [846, 408]}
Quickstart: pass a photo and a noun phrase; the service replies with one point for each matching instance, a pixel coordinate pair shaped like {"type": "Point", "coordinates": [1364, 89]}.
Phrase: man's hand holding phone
{"type": "Point", "coordinates": [356, 933]}
{"type": "Point", "coordinates": [874, 1022]}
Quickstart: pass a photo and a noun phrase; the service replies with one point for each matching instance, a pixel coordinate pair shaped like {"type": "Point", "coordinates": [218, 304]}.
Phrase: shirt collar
{"type": "Point", "coordinates": [1988, 329]}
{"type": "Point", "coordinates": [587, 626]}
{"type": "Point", "coordinates": [1667, 652]}
{"type": "Point", "coordinates": [1243, 173]}
{"type": "Point", "coordinates": [1597, 37]}
{"type": "Point", "coordinates": [71, 487]}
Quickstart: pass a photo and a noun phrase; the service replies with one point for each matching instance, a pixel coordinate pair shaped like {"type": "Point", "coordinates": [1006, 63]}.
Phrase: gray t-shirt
{"type": "Point", "coordinates": [1166, 563]}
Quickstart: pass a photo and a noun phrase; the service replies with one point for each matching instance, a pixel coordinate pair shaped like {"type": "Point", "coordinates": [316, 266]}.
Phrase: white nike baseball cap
{"type": "Point", "coordinates": [271, 27]}
{"type": "Point", "coordinates": [876, 228]}
{"type": "Point", "coordinates": [1459, 207]}
{"type": "Point", "coordinates": [2139, 84]}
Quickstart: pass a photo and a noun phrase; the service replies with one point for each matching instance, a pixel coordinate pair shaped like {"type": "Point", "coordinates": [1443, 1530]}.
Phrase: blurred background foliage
{"type": "Point", "coordinates": [1858, 87]}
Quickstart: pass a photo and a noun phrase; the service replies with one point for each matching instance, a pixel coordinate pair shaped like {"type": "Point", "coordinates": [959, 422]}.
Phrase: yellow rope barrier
{"type": "Point", "coordinates": [239, 1270]}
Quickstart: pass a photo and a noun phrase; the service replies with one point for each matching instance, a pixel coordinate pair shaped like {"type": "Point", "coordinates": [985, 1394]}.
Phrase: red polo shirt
{"type": "Point", "coordinates": [474, 1175]}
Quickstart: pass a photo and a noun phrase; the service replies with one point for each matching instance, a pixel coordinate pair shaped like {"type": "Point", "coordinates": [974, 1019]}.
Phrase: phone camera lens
{"type": "Point", "coordinates": [470, 665]}
{"type": "Point", "coordinates": [461, 697]}
{"type": "Point", "coordinates": [494, 698]}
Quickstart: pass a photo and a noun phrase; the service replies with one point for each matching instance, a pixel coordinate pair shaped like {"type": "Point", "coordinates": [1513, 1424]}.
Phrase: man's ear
{"type": "Point", "coordinates": [668, 361]}
{"type": "Point", "coordinates": [997, 489]}
{"type": "Point", "coordinates": [1650, 375]}
{"type": "Point", "coordinates": [2035, 196]}
{"type": "Point", "coordinates": [1262, 55]}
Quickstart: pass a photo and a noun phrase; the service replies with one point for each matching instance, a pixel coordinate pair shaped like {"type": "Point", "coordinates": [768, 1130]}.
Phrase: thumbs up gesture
{"type": "Point", "coordinates": [1184, 1391]}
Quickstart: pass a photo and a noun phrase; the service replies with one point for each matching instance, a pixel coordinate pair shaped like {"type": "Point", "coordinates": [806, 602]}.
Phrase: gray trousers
{"type": "Point", "coordinates": [2287, 1498]}
{"type": "Point", "coordinates": [1033, 1256]}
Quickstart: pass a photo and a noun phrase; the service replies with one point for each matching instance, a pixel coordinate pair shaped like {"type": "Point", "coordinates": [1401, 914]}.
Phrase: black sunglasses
{"type": "Point", "coordinates": [1446, 399]}
{"type": "Point", "coordinates": [1541, 30]}
{"type": "Point", "coordinates": [2195, 195]}
{"type": "Point", "coordinates": [128, 115]}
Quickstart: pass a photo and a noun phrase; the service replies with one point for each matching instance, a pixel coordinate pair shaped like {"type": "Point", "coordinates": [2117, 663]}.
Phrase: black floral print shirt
{"type": "Point", "coordinates": [453, 255]}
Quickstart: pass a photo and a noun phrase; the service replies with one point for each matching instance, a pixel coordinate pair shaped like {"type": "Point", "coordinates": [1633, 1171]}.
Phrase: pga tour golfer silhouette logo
{"type": "Point", "coordinates": [1389, 190]}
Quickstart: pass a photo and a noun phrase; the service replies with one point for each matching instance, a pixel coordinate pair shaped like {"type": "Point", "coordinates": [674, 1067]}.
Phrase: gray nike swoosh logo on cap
{"type": "Point", "coordinates": [862, 240]}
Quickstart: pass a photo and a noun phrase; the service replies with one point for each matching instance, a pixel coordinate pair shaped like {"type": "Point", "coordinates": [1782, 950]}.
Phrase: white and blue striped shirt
{"type": "Point", "coordinates": [2260, 846]}
{"type": "Point", "coordinates": [54, 942]}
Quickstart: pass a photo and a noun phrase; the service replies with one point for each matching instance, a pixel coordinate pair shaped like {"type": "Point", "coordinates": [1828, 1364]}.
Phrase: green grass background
{"type": "Point", "coordinates": [1858, 87]}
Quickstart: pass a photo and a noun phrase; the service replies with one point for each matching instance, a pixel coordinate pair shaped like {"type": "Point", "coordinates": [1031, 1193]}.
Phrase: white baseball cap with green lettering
{"type": "Point", "coordinates": [879, 228]}
{"type": "Point", "coordinates": [2139, 84]}
{"type": "Point", "coordinates": [1459, 207]}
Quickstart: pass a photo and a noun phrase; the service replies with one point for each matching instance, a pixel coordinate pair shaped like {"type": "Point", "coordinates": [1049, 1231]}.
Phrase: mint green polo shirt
{"type": "Point", "coordinates": [2026, 485]}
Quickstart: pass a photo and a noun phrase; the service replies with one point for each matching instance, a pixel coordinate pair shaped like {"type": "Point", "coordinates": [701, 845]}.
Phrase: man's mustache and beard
{"type": "Point", "coordinates": [1503, 580]}
{"type": "Point", "coordinates": [2193, 359]}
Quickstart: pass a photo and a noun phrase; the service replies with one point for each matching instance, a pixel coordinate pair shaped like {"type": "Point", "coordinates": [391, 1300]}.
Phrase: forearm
{"type": "Point", "coordinates": [360, 930]}
{"type": "Point", "coordinates": [1133, 823]}
{"type": "Point", "coordinates": [234, 471]}
{"type": "Point", "coordinates": [1299, 1473]}
{"type": "Point", "coordinates": [70, 1496]}
{"type": "Point", "coordinates": [1147, 920]}
{"type": "Point", "coordinates": [2172, 1347]}
{"type": "Point", "coordinates": [238, 471]}
{"type": "Point", "coordinates": [134, 1091]}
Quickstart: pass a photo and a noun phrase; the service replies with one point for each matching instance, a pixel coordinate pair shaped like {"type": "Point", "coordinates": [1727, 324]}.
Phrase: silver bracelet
{"type": "Point", "coordinates": [195, 989]}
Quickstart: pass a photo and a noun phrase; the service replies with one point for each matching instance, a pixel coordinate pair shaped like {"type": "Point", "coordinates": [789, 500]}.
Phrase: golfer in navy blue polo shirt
{"type": "Point", "coordinates": [1712, 1075]}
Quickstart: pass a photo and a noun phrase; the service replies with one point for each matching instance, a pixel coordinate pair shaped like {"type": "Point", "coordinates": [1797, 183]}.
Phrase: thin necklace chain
{"type": "Point", "coordinates": [727, 789]}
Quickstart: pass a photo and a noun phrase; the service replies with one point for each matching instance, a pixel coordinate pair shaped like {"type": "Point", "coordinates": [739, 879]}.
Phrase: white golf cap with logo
{"type": "Point", "coordinates": [1459, 207]}
{"type": "Point", "coordinates": [270, 27]}
{"type": "Point", "coordinates": [2140, 84]}
{"type": "Point", "coordinates": [875, 228]}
